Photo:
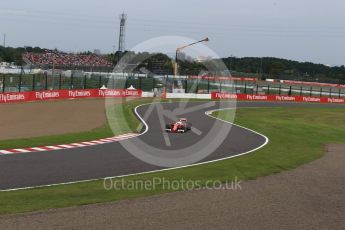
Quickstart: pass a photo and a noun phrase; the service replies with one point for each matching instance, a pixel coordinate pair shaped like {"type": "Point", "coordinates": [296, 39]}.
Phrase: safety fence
{"type": "Point", "coordinates": [245, 87]}
{"type": "Point", "coordinates": [170, 84]}
{"type": "Point", "coordinates": [76, 80]}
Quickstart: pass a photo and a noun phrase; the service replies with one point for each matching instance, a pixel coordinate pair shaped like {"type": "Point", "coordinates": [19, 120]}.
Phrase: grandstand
{"type": "Point", "coordinates": [60, 59]}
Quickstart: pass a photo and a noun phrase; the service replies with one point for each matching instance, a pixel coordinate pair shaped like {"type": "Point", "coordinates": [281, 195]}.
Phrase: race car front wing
{"type": "Point", "coordinates": [177, 131]}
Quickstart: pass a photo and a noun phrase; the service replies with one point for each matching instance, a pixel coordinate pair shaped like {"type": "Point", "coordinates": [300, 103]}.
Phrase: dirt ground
{"type": "Point", "coordinates": [309, 197]}
{"type": "Point", "coordinates": [34, 119]}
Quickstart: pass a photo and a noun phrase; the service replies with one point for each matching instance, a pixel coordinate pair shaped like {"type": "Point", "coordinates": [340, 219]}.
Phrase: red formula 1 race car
{"type": "Point", "coordinates": [181, 126]}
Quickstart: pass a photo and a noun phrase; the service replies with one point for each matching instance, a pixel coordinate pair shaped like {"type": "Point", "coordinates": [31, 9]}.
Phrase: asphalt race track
{"type": "Point", "coordinates": [112, 159]}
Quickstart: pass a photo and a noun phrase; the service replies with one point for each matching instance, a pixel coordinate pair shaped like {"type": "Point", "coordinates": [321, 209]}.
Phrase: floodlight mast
{"type": "Point", "coordinates": [181, 48]}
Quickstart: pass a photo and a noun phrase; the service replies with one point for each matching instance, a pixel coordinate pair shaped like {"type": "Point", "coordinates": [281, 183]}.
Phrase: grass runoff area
{"type": "Point", "coordinates": [121, 120]}
{"type": "Point", "coordinates": [297, 136]}
{"type": "Point", "coordinates": [124, 113]}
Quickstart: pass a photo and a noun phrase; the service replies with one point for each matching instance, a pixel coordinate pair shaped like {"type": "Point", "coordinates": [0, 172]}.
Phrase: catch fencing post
{"type": "Point", "coordinates": [84, 81]}
{"type": "Point", "coordinates": [60, 79]}
{"type": "Point", "coordinates": [186, 86]}
{"type": "Point", "coordinates": [113, 81]}
{"type": "Point", "coordinates": [330, 92]}
{"type": "Point", "coordinates": [197, 86]}
{"type": "Point", "coordinates": [33, 82]}
{"type": "Point", "coordinates": [46, 81]}
{"type": "Point", "coordinates": [268, 89]}
{"type": "Point", "coordinates": [72, 81]}
{"type": "Point", "coordinates": [3, 83]}
{"type": "Point", "coordinates": [245, 88]}
{"type": "Point", "coordinates": [280, 89]}
{"type": "Point", "coordinates": [165, 84]}
{"type": "Point", "coordinates": [126, 82]}
{"type": "Point", "coordinates": [301, 91]}
{"type": "Point", "coordinates": [208, 85]}
{"type": "Point", "coordinates": [153, 83]}
{"type": "Point", "coordinates": [20, 82]}
{"type": "Point", "coordinates": [100, 81]}
{"type": "Point", "coordinates": [321, 92]}
{"type": "Point", "coordinates": [339, 93]}
{"type": "Point", "coordinates": [311, 91]}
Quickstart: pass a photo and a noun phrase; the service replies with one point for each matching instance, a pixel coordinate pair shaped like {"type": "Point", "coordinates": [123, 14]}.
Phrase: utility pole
{"type": "Point", "coordinates": [261, 68]}
{"type": "Point", "coordinates": [4, 40]}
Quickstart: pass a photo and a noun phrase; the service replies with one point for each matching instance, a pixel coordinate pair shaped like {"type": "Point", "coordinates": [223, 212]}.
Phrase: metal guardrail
{"type": "Point", "coordinates": [37, 82]}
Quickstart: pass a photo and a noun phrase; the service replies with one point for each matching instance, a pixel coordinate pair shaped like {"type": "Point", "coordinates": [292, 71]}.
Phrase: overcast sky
{"type": "Point", "coordinates": [304, 30]}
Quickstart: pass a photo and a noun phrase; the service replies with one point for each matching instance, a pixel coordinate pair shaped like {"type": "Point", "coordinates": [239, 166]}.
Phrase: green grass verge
{"type": "Point", "coordinates": [297, 136]}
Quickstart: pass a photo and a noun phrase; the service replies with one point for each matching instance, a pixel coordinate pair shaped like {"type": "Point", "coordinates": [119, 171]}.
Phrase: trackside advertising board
{"type": "Point", "coordinates": [290, 82]}
{"type": "Point", "coordinates": [67, 94]}
{"type": "Point", "coordinates": [121, 93]}
{"type": "Point", "coordinates": [312, 83]}
{"type": "Point", "coordinates": [250, 97]}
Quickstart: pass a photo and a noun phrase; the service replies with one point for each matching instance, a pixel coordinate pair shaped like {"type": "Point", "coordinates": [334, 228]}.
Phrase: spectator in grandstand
{"type": "Point", "coordinates": [63, 59]}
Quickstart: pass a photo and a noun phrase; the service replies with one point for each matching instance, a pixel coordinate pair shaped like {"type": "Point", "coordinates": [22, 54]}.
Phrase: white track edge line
{"type": "Point", "coordinates": [159, 170]}
{"type": "Point", "coordinates": [83, 144]}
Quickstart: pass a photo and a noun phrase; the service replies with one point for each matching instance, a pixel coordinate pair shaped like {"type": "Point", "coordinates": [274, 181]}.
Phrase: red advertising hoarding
{"type": "Point", "coordinates": [250, 97]}
{"type": "Point", "coordinates": [67, 94]}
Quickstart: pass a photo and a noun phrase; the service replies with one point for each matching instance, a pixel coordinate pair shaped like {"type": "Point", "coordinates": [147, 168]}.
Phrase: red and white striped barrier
{"type": "Point", "coordinates": [223, 78]}
{"type": "Point", "coordinates": [312, 83]}
{"type": "Point", "coordinates": [69, 146]}
{"type": "Point", "coordinates": [291, 82]}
